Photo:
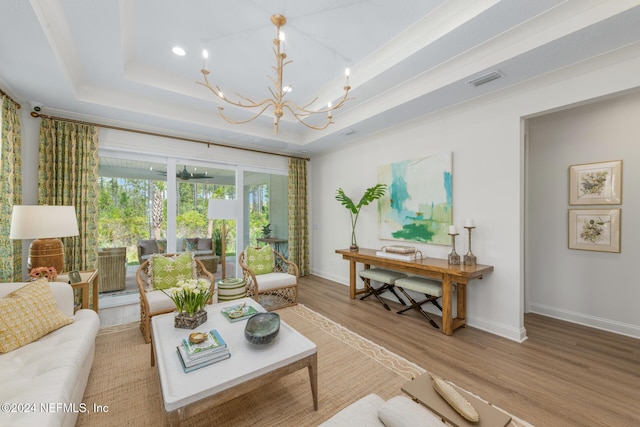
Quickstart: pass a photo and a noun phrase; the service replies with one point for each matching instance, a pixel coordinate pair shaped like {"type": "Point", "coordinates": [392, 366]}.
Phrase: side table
{"type": "Point", "coordinates": [89, 277]}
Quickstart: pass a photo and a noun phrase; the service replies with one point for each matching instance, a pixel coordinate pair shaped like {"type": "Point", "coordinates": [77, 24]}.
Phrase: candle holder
{"type": "Point", "coordinates": [470, 258]}
{"type": "Point", "coordinates": [454, 258]}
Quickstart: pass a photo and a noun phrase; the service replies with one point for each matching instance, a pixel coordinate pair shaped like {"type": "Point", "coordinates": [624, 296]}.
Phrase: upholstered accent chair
{"type": "Point", "coordinates": [270, 279]}
{"type": "Point", "coordinates": [153, 276]}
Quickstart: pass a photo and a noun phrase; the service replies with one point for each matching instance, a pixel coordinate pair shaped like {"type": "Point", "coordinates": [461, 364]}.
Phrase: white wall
{"type": "Point", "coordinates": [593, 288]}
{"type": "Point", "coordinates": [485, 137]}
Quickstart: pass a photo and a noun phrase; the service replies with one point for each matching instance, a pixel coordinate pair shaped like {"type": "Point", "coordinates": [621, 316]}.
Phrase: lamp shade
{"type": "Point", "coordinates": [223, 209]}
{"type": "Point", "coordinates": [43, 221]}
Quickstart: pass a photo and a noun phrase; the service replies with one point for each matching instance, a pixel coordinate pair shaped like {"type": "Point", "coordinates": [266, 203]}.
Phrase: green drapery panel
{"type": "Point", "coordinates": [68, 176]}
{"type": "Point", "coordinates": [10, 189]}
{"type": "Point", "coordinates": [298, 215]}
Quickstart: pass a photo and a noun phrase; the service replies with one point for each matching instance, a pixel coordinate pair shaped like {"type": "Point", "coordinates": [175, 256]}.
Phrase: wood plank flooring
{"type": "Point", "coordinates": [564, 374]}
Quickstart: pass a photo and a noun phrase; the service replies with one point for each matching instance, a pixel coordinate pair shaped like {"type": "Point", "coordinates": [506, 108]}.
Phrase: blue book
{"type": "Point", "coordinates": [191, 365]}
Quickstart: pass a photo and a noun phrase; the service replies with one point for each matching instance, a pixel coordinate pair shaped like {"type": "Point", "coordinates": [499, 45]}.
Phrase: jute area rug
{"type": "Point", "coordinates": [349, 367]}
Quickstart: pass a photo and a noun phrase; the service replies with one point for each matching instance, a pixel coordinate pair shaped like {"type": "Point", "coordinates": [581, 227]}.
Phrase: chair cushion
{"type": "Point", "coordinates": [204, 244]}
{"type": "Point", "coordinates": [361, 413]}
{"type": "Point", "coordinates": [400, 411]}
{"type": "Point", "coordinates": [27, 314]}
{"type": "Point", "coordinates": [260, 260]}
{"type": "Point", "coordinates": [162, 246]}
{"type": "Point", "coordinates": [275, 280]}
{"type": "Point", "coordinates": [159, 301]}
{"type": "Point", "coordinates": [148, 247]}
{"type": "Point", "coordinates": [166, 271]}
{"type": "Point", "coordinates": [381, 275]}
{"type": "Point", "coordinates": [420, 284]}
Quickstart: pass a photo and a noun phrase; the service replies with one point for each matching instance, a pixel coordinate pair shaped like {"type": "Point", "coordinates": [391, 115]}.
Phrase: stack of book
{"type": "Point", "coordinates": [400, 252]}
{"type": "Point", "coordinates": [194, 356]}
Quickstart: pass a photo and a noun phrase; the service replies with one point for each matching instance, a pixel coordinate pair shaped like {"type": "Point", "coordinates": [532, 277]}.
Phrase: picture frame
{"type": "Point", "coordinates": [594, 230]}
{"type": "Point", "coordinates": [74, 277]}
{"type": "Point", "coordinates": [596, 183]}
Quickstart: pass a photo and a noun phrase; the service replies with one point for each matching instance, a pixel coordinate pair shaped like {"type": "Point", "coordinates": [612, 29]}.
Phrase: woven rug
{"type": "Point", "coordinates": [349, 367]}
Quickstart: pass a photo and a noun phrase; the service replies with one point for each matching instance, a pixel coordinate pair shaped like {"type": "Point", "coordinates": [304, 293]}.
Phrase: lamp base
{"type": "Point", "coordinates": [46, 253]}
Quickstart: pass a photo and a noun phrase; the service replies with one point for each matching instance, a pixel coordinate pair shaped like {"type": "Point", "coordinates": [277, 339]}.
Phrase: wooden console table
{"type": "Point", "coordinates": [430, 267]}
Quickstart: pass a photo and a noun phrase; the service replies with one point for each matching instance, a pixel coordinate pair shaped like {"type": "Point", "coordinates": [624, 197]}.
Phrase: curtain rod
{"type": "Point", "coordinates": [3, 93]}
{"type": "Point", "coordinates": [162, 135]}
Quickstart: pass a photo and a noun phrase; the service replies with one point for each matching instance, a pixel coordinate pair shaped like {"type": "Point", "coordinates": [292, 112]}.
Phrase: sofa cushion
{"type": "Point", "coordinates": [27, 314]}
{"type": "Point", "coordinates": [362, 413]}
{"type": "Point", "coordinates": [148, 247]}
{"type": "Point", "coordinates": [260, 260]}
{"type": "Point", "coordinates": [166, 271]}
{"type": "Point", "coordinates": [204, 244]}
{"type": "Point", "coordinates": [190, 244]}
{"type": "Point", "coordinates": [162, 246]}
{"type": "Point", "coordinates": [400, 411]}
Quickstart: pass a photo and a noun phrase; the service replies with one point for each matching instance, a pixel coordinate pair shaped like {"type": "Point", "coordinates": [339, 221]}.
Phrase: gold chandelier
{"type": "Point", "coordinates": [278, 93]}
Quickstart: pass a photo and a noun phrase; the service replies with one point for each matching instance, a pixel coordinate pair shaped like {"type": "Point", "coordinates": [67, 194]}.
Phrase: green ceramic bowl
{"type": "Point", "coordinates": [262, 328]}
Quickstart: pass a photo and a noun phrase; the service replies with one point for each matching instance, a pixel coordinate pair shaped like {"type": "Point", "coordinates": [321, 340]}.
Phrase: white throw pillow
{"type": "Point", "coordinates": [400, 411]}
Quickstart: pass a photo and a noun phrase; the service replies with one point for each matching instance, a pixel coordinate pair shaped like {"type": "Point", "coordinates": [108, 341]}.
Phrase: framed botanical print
{"type": "Point", "coordinates": [596, 183]}
{"type": "Point", "coordinates": [594, 229]}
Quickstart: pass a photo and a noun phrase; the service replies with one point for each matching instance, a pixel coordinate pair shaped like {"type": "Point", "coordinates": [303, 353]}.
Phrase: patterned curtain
{"type": "Point", "coordinates": [68, 176]}
{"type": "Point", "coordinates": [10, 189]}
{"type": "Point", "coordinates": [298, 215]}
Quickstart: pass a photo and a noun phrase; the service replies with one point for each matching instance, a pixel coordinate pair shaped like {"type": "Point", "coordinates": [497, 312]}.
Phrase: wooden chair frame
{"type": "Point", "coordinates": [281, 297]}
{"type": "Point", "coordinates": [145, 313]}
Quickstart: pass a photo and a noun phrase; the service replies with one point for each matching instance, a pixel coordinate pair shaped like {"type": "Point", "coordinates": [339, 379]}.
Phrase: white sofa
{"type": "Point", "coordinates": [372, 411]}
{"type": "Point", "coordinates": [48, 376]}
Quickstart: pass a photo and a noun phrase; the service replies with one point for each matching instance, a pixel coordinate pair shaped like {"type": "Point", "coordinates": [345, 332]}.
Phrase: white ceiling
{"type": "Point", "coordinates": [110, 61]}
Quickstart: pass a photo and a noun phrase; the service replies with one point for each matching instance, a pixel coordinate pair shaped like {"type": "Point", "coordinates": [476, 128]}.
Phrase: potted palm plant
{"type": "Point", "coordinates": [370, 194]}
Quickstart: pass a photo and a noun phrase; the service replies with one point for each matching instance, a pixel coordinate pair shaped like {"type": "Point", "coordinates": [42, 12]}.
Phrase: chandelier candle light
{"type": "Point", "coordinates": [278, 93]}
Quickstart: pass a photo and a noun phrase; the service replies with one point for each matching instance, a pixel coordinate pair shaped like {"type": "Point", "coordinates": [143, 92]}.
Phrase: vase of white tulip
{"type": "Point", "coordinates": [190, 298]}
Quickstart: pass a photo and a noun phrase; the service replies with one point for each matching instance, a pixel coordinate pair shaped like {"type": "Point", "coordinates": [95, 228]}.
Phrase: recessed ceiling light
{"type": "Point", "coordinates": [179, 51]}
{"type": "Point", "coordinates": [485, 78]}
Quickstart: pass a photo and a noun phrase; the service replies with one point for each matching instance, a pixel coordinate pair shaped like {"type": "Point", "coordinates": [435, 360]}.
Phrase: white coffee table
{"type": "Point", "coordinates": [250, 366]}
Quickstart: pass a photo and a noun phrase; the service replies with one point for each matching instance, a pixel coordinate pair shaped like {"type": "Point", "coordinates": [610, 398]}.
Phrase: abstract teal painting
{"type": "Point", "coordinates": [417, 206]}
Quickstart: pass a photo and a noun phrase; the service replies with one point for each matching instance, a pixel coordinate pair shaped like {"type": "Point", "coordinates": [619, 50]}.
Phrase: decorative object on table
{"type": "Point", "coordinates": [455, 399]}
{"type": "Point", "coordinates": [266, 231]}
{"type": "Point", "coordinates": [370, 194]}
{"type": "Point", "coordinates": [454, 258]}
{"type": "Point", "coordinates": [596, 183]}
{"type": "Point", "coordinates": [46, 224]}
{"type": "Point", "coordinates": [210, 350]}
{"type": "Point", "coordinates": [239, 312]}
{"type": "Point", "coordinates": [469, 258]}
{"type": "Point", "coordinates": [48, 273]}
{"type": "Point", "coordinates": [262, 328]}
{"type": "Point", "coordinates": [278, 92]}
{"type": "Point", "coordinates": [594, 229]}
{"type": "Point", "coordinates": [400, 252]}
{"type": "Point", "coordinates": [74, 277]}
{"type": "Point", "coordinates": [419, 204]}
{"type": "Point", "coordinates": [225, 210]}
{"type": "Point", "coordinates": [190, 296]}
{"type": "Point", "coordinates": [231, 289]}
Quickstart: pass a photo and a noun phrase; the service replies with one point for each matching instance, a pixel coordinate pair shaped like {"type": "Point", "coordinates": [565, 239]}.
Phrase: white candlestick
{"type": "Point", "coordinates": [452, 229]}
{"type": "Point", "coordinates": [468, 222]}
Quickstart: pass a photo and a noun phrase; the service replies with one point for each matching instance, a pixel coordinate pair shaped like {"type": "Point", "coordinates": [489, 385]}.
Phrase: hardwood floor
{"type": "Point", "coordinates": [564, 374]}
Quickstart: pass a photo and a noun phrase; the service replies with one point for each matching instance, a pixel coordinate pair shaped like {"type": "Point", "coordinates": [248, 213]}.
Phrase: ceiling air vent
{"type": "Point", "coordinates": [485, 78]}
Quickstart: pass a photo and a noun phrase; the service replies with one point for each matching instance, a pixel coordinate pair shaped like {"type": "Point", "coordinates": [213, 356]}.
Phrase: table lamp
{"type": "Point", "coordinates": [223, 209]}
{"type": "Point", "coordinates": [45, 224]}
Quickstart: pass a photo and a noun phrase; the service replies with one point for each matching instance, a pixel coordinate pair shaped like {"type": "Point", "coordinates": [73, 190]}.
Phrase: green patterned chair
{"type": "Point", "coordinates": [163, 271]}
{"type": "Point", "coordinates": [270, 279]}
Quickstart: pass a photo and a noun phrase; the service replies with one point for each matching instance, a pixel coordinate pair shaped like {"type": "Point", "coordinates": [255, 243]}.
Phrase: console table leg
{"type": "Point", "coordinates": [447, 312]}
{"type": "Point", "coordinates": [352, 279]}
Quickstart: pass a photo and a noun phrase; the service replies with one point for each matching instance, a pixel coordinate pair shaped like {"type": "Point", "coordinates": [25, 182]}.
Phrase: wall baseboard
{"type": "Point", "coordinates": [505, 331]}
{"type": "Point", "coordinates": [586, 320]}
